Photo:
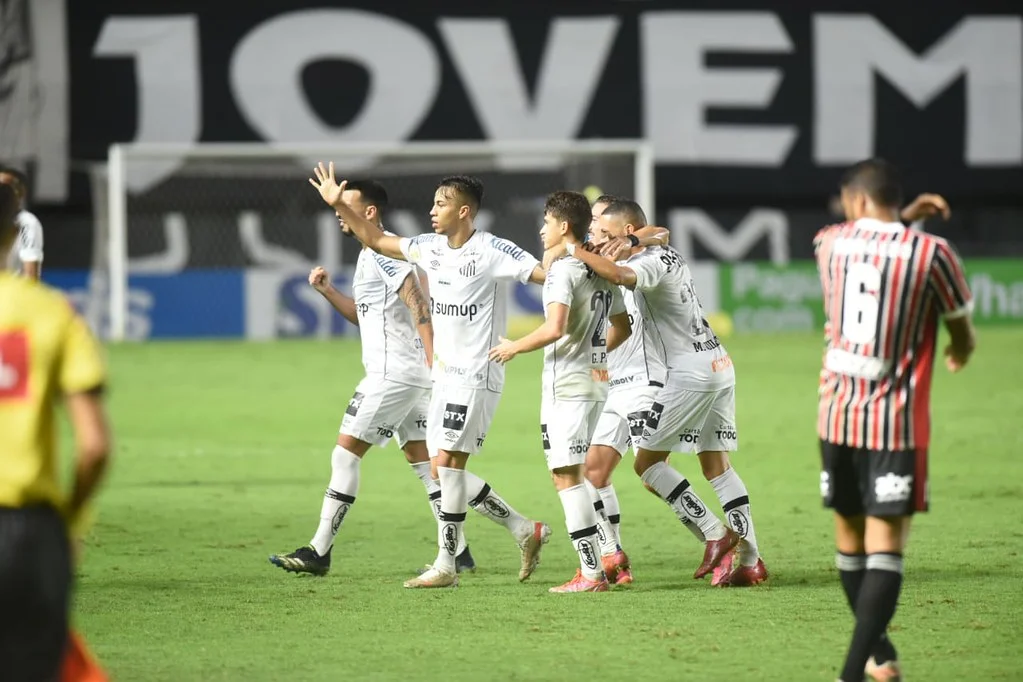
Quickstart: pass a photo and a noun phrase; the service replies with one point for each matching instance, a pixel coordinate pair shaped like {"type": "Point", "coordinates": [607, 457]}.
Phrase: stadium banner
{"type": "Point", "coordinates": [763, 297]}
{"type": "Point", "coordinates": [186, 305]}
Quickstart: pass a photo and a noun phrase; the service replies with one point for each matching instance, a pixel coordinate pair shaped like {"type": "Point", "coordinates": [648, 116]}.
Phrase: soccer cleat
{"type": "Point", "coordinates": [617, 568]}
{"type": "Point", "coordinates": [722, 573]}
{"type": "Point", "coordinates": [433, 578]}
{"type": "Point", "coordinates": [748, 576]}
{"type": "Point", "coordinates": [886, 672]}
{"type": "Point", "coordinates": [581, 583]}
{"type": "Point", "coordinates": [531, 547]}
{"type": "Point", "coordinates": [463, 562]}
{"type": "Point", "coordinates": [303, 560]}
{"type": "Point", "coordinates": [715, 552]}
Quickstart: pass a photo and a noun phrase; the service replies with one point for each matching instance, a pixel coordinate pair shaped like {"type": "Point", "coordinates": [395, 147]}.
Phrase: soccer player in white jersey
{"type": "Point", "coordinates": [468, 273]}
{"type": "Point", "coordinates": [576, 340]}
{"type": "Point", "coordinates": [695, 410]}
{"type": "Point", "coordinates": [392, 400]}
{"type": "Point", "coordinates": [26, 256]}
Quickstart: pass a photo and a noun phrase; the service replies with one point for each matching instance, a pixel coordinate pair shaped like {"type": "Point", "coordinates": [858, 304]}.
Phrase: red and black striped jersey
{"type": "Point", "coordinates": [885, 287]}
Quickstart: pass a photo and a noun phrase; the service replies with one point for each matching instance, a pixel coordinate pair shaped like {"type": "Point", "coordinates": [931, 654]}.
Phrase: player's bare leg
{"type": "Point", "coordinates": [418, 457]}
{"type": "Point", "coordinates": [870, 565]}
{"type": "Point", "coordinates": [581, 522]}
{"type": "Point", "coordinates": [601, 461]}
{"type": "Point", "coordinates": [672, 487]}
{"type": "Point", "coordinates": [345, 463]}
{"type": "Point", "coordinates": [735, 503]}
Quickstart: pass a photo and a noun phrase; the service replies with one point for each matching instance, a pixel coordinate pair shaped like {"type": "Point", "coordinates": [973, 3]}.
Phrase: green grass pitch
{"type": "Point", "coordinates": [222, 455]}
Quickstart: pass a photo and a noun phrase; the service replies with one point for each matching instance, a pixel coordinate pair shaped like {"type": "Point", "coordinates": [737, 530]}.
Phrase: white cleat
{"type": "Point", "coordinates": [886, 672]}
{"type": "Point", "coordinates": [531, 547]}
{"type": "Point", "coordinates": [433, 578]}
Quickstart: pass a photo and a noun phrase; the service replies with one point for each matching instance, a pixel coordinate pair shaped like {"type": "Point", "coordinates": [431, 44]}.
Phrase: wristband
{"type": "Point", "coordinates": [570, 247]}
{"type": "Point", "coordinates": [634, 240]}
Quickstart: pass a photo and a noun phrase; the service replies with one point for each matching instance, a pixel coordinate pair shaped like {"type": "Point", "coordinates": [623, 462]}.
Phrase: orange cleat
{"type": "Point", "coordinates": [617, 568]}
{"type": "Point", "coordinates": [581, 583]}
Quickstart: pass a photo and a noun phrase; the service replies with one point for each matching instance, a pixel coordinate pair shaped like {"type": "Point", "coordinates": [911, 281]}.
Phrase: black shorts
{"type": "Point", "coordinates": [861, 482]}
{"type": "Point", "coordinates": [35, 587]}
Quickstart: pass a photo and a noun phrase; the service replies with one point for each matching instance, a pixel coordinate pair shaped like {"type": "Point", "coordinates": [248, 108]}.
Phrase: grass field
{"type": "Point", "coordinates": [223, 454]}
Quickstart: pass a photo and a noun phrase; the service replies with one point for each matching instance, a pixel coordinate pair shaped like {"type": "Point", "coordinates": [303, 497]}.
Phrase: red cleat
{"type": "Point", "coordinates": [715, 552]}
{"type": "Point", "coordinates": [723, 572]}
{"type": "Point", "coordinates": [617, 568]}
{"type": "Point", "coordinates": [748, 576]}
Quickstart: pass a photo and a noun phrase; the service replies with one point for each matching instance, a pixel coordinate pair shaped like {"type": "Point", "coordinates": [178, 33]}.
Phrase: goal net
{"type": "Point", "coordinates": [217, 240]}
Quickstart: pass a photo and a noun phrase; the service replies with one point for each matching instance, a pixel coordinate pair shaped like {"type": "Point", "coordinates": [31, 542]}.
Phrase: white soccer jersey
{"type": "Point", "coordinates": [575, 366]}
{"type": "Point", "coordinates": [391, 347]}
{"type": "Point", "coordinates": [28, 247]}
{"type": "Point", "coordinates": [469, 302]}
{"type": "Point", "coordinates": [640, 360]}
{"type": "Point", "coordinates": [667, 298]}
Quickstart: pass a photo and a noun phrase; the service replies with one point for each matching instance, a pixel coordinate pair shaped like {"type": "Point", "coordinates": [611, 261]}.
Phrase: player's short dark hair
{"type": "Point", "coordinates": [630, 211]}
{"type": "Point", "coordinates": [468, 188]}
{"type": "Point", "coordinates": [607, 199]}
{"type": "Point", "coordinates": [878, 179]}
{"type": "Point", "coordinates": [18, 174]}
{"type": "Point", "coordinates": [8, 209]}
{"type": "Point", "coordinates": [571, 207]}
{"type": "Point", "coordinates": [371, 192]}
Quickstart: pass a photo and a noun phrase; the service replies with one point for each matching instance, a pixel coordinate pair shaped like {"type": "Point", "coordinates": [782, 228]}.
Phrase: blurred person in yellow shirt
{"type": "Point", "coordinates": [47, 353]}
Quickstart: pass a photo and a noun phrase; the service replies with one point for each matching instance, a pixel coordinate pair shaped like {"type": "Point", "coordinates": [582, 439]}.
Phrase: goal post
{"type": "Point", "coordinates": [173, 209]}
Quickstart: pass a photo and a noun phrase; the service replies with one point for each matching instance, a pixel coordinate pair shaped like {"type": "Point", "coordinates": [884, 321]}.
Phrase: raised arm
{"type": "Point", "coordinates": [365, 231]}
{"type": "Point", "coordinates": [552, 329]}
{"type": "Point", "coordinates": [412, 296]}
{"type": "Point", "coordinates": [320, 280]}
{"type": "Point", "coordinates": [606, 269]}
{"type": "Point", "coordinates": [618, 248]}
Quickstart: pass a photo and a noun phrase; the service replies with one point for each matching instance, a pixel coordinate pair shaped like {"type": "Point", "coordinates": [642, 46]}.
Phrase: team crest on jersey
{"type": "Point", "coordinates": [468, 270]}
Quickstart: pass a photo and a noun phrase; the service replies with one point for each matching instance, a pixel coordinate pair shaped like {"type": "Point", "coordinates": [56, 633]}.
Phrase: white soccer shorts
{"type": "Point", "coordinates": [621, 423]}
{"type": "Point", "coordinates": [567, 427]}
{"type": "Point", "coordinates": [681, 420]}
{"type": "Point", "coordinates": [459, 418]}
{"type": "Point", "coordinates": [382, 409]}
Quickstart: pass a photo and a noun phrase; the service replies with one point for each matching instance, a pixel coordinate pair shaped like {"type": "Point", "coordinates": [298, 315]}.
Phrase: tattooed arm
{"type": "Point", "coordinates": [412, 296]}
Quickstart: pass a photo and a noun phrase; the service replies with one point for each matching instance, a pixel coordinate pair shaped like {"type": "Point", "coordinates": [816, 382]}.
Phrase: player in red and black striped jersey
{"type": "Point", "coordinates": [885, 288]}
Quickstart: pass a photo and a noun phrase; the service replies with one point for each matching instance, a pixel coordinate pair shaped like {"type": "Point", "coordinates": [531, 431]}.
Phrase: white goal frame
{"type": "Point", "coordinates": [119, 155]}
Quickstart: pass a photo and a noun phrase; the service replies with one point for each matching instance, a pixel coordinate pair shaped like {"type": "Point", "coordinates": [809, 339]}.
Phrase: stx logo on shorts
{"type": "Point", "coordinates": [454, 416]}
{"type": "Point", "coordinates": [637, 420]}
{"type": "Point", "coordinates": [546, 438]}
{"type": "Point", "coordinates": [893, 488]}
{"type": "Point", "coordinates": [354, 404]}
{"type": "Point", "coordinates": [653, 415]}
{"type": "Point", "coordinates": [13, 365]}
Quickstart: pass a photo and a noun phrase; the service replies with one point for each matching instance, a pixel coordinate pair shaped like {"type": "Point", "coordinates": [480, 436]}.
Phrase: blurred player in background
{"type": "Point", "coordinates": [576, 338]}
{"type": "Point", "coordinates": [885, 288]}
{"type": "Point", "coordinates": [695, 410]}
{"type": "Point", "coordinates": [469, 273]}
{"type": "Point", "coordinates": [46, 353]}
{"type": "Point", "coordinates": [393, 315]}
{"type": "Point", "coordinates": [26, 256]}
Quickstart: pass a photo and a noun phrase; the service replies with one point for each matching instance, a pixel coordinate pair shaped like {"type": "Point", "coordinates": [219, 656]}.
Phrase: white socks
{"type": "Point", "coordinates": [483, 499]}
{"type": "Point", "coordinates": [581, 521]}
{"type": "Point", "coordinates": [422, 470]}
{"type": "Point", "coordinates": [735, 503]}
{"type": "Point", "coordinates": [453, 505]}
{"type": "Point", "coordinates": [605, 536]}
{"type": "Point", "coordinates": [339, 498]}
{"type": "Point", "coordinates": [687, 505]}
{"type": "Point", "coordinates": [611, 509]}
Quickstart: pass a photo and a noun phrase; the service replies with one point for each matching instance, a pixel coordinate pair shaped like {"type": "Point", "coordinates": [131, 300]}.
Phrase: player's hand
{"type": "Point", "coordinates": [325, 183]}
{"type": "Point", "coordinates": [319, 279]}
{"type": "Point", "coordinates": [953, 360]}
{"type": "Point", "coordinates": [504, 352]}
{"type": "Point", "coordinates": [552, 254]}
{"type": "Point", "coordinates": [616, 248]}
{"type": "Point", "coordinates": [926, 206]}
